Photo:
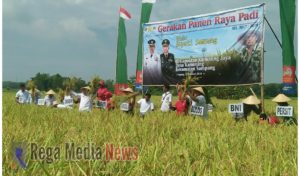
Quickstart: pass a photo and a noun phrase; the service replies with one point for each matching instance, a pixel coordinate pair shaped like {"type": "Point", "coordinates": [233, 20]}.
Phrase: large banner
{"type": "Point", "coordinates": [223, 48]}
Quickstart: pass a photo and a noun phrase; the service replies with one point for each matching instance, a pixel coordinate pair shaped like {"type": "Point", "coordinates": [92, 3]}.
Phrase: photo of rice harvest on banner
{"type": "Point", "coordinates": [222, 48]}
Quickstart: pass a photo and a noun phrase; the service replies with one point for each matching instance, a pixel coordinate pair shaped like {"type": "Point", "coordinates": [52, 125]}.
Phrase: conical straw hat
{"type": "Point", "coordinates": [127, 90]}
{"type": "Point", "coordinates": [251, 100]}
{"type": "Point", "coordinates": [199, 89]}
{"type": "Point", "coordinates": [281, 98]}
{"type": "Point", "coordinates": [50, 92]}
{"type": "Point", "coordinates": [87, 88]}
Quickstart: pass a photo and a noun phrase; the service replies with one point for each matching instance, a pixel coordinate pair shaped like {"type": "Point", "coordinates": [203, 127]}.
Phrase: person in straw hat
{"type": "Point", "coordinates": [50, 97]}
{"type": "Point", "coordinates": [85, 99]}
{"type": "Point", "coordinates": [282, 100]}
{"type": "Point", "coordinates": [131, 99]}
{"type": "Point", "coordinates": [251, 103]}
{"type": "Point", "coordinates": [197, 97]}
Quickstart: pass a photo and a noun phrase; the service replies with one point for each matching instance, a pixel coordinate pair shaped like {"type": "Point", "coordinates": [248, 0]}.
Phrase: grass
{"type": "Point", "coordinates": [167, 144]}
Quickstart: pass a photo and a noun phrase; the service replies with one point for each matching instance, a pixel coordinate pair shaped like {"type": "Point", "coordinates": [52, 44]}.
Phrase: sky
{"type": "Point", "coordinates": [79, 37]}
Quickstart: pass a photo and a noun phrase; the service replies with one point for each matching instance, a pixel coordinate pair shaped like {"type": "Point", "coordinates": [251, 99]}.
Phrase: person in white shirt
{"type": "Point", "coordinates": [86, 103]}
{"type": "Point", "coordinates": [166, 100]}
{"type": "Point", "coordinates": [152, 66]}
{"type": "Point", "coordinates": [50, 98]}
{"type": "Point", "coordinates": [22, 96]}
{"type": "Point", "coordinates": [145, 105]}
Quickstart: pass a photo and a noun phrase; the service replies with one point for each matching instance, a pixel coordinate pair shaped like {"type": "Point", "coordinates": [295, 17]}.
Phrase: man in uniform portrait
{"type": "Point", "coordinates": [168, 65]}
{"type": "Point", "coordinates": [152, 66]}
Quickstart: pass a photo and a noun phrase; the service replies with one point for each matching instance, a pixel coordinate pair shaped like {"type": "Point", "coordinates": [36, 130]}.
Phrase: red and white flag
{"type": "Point", "coordinates": [124, 14]}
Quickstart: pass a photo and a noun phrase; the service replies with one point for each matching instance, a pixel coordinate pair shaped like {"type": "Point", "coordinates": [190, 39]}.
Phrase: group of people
{"type": "Point", "coordinates": [186, 99]}
{"type": "Point", "coordinates": [253, 104]}
{"type": "Point", "coordinates": [191, 101]}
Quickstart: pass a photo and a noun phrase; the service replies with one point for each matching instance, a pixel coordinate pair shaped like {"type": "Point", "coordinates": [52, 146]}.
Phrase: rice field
{"type": "Point", "coordinates": [166, 144]}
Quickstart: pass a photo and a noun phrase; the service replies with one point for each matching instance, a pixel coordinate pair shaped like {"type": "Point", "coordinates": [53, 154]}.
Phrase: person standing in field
{"type": "Point", "coordinates": [22, 96]}
{"type": "Point", "coordinates": [102, 91]}
{"type": "Point", "coordinates": [103, 94]}
{"type": "Point", "coordinates": [181, 104]}
{"type": "Point", "coordinates": [86, 103]}
{"type": "Point", "coordinates": [145, 105]}
{"type": "Point", "coordinates": [166, 99]}
{"type": "Point", "coordinates": [152, 66]}
{"type": "Point", "coordinates": [128, 106]}
{"type": "Point", "coordinates": [50, 97]}
{"type": "Point", "coordinates": [197, 97]}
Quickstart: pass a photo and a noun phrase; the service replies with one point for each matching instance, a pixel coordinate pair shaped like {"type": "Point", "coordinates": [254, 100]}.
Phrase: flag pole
{"type": "Point", "coordinates": [262, 73]}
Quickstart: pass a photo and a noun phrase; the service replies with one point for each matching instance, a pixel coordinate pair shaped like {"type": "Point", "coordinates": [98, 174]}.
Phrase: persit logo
{"type": "Point", "coordinates": [121, 153]}
{"type": "Point", "coordinates": [18, 154]}
{"type": "Point", "coordinates": [288, 74]}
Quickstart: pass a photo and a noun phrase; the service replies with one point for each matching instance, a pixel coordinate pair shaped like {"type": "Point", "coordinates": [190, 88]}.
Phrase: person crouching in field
{"type": "Point", "coordinates": [22, 96]}
{"type": "Point", "coordinates": [166, 99]}
{"type": "Point", "coordinates": [86, 103]}
{"type": "Point", "coordinates": [128, 106]}
{"type": "Point", "coordinates": [250, 104]}
{"type": "Point", "coordinates": [198, 99]}
{"type": "Point", "coordinates": [283, 100]}
{"type": "Point", "coordinates": [50, 97]}
{"type": "Point", "coordinates": [67, 101]}
{"type": "Point", "coordinates": [145, 105]}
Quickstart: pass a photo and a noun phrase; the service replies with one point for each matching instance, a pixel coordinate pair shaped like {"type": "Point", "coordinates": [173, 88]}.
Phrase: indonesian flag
{"type": "Point", "coordinates": [124, 14]}
{"type": "Point", "coordinates": [121, 65]}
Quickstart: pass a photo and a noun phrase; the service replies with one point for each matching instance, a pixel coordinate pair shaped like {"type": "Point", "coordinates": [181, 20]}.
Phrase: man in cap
{"type": "Point", "coordinates": [152, 66]}
{"type": "Point", "coordinates": [22, 96]}
{"type": "Point", "coordinates": [168, 65]}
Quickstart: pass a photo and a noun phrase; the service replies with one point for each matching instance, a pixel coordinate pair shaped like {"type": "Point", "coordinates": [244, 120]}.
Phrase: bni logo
{"type": "Point", "coordinates": [18, 154]}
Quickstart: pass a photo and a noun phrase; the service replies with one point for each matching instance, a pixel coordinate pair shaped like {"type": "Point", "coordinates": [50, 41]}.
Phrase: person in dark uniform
{"type": "Point", "coordinates": [168, 65]}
